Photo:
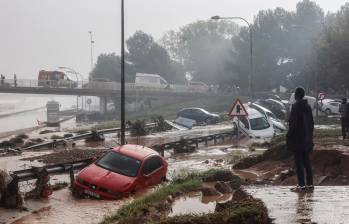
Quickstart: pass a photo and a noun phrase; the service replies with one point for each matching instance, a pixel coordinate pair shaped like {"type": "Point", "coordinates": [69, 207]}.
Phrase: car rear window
{"type": "Point", "coordinates": [119, 163]}
{"type": "Point", "coordinates": [259, 123]}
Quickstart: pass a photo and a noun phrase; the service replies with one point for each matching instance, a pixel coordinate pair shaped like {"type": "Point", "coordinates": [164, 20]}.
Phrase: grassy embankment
{"type": "Point", "coordinates": [246, 211]}
{"type": "Point", "coordinates": [277, 149]}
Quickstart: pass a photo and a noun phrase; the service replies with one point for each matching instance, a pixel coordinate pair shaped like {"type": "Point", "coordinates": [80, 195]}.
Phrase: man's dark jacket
{"type": "Point", "coordinates": [301, 127]}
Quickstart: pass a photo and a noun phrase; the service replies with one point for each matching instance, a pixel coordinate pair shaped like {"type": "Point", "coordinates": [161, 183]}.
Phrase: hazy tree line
{"type": "Point", "coordinates": [290, 48]}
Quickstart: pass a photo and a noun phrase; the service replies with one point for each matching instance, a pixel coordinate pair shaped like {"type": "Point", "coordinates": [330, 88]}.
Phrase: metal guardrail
{"type": "Point", "coordinates": [32, 173]}
{"type": "Point", "coordinates": [67, 84]}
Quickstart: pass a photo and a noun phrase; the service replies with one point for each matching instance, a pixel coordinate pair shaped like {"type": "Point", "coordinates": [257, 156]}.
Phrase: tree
{"type": "Point", "coordinates": [108, 68]}
{"type": "Point", "coordinates": [147, 56]}
{"type": "Point", "coordinates": [202, 48]}
{"type": "Point", "coordinates": [283, 46]}
{"type": "Point", "coordinates": [333, 51]}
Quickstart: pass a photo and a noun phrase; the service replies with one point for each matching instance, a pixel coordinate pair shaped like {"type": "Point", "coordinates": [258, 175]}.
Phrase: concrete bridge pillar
{"type": "Point", "coordinates": [103, 104]}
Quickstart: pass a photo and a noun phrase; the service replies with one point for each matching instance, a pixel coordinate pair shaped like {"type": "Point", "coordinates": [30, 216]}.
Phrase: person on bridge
{"type": "Point", "coordinates": [15, 80]}
{"type": "Point", "coordinates": [343, 110]}
{"type": "Point", "coordinates": [2, 77]}
{"type": "Point", "coordinates": [300, 140]}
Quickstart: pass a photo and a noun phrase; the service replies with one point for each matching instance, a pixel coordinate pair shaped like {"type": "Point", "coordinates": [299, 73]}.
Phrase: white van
{"type": "Point", "coordinates": [255, 125]}
{"type": "Point", "coordinates": [150, 80]}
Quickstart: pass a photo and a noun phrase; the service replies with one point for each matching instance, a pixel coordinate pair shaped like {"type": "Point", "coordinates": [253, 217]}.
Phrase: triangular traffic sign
{"type": "Point", "coordinates": [237, 109]}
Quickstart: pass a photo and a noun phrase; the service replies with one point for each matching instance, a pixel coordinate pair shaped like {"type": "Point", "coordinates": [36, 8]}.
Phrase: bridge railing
{"type": "Point", "coordinates": [30, 83]}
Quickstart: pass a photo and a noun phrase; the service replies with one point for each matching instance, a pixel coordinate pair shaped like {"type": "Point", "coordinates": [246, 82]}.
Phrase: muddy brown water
{"type": "Point", "coordinates": [326, 205]}
{"type": "Point", "coordinates": [61, 207]}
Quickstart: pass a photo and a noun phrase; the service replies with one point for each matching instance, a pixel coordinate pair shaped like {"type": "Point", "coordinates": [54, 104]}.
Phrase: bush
{"type": "Point", "coordinates": [137, 128]}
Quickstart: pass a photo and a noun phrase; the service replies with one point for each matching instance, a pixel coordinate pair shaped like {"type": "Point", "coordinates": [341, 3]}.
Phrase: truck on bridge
{"type": "Point", "coordinates": [55, 79]}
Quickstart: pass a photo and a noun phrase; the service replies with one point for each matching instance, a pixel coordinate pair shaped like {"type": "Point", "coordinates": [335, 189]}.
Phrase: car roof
{"type": "Point", "coordinates": [253, 113]}
{"type": "Point", "coordinates": [261, 107]}
{"type": "Point", "coordinates": [135, 151]}
{"type": "Point", "coordinates": [194, 108]}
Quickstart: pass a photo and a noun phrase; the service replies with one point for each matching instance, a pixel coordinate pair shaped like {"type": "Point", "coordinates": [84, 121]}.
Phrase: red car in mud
{"type": "Point", "coordinates": [121, 172]}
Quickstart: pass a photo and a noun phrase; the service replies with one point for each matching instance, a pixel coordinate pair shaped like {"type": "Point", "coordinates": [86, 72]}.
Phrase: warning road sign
{"type": "Point", "coordinates": [238, 109]}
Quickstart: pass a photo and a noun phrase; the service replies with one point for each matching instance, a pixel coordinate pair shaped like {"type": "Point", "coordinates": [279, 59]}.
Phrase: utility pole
{"type": "Point", "coordinates": [123, 125]}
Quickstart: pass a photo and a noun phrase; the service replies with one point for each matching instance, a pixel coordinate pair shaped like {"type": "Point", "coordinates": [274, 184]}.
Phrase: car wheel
{"type": "Point", "coordinates": [328, 111]}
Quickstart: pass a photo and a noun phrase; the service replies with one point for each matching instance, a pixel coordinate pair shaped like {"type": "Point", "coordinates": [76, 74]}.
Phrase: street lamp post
{"type": "Point", "coordinates": [92, 42]}
{"type": "Point", "coordinates": [123, 125]}
{"type": "Point", "coordinates": [250, 89]}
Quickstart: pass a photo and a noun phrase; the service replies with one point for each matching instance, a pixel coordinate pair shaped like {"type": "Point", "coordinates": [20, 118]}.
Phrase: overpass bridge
{"type": "Point", "coordinates": [103, 90]}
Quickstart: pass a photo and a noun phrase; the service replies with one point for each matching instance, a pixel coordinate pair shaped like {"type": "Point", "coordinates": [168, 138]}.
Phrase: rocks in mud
{"type": "Point", "coordinates": [32, 141]}
{"type": "Point", "coordinates": [240, 195]}
{"type": "Point", "coordinates": [10, 151]}
{"type": "Point", "coordinates": [96, 137]}
{"type": "Point", "coordinates": [69, 135]}
{"type": "Point", "coordinates": [223, 187]}
{"type": "Point", "coordinates": [219, 175]}
{"type": "Point", "coordinates": [10, 196]}
{"type": "Point", "coordinates": [235, 184]}
{"type": "Point", "coordinates": [68, 156]}
{"type": "Point", "coordinates": [183, 149]}
{"type": "Point", "coordinates": [46, 132]}
{"type": "Point", "coordinates": [208, 191]}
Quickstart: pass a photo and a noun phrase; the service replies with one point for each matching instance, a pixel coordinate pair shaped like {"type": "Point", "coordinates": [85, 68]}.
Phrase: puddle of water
{"type": "Point", "coordinates": [326, 205]}
{"type": "Point", "coordinates": [192, 205]}
{"type": "Point", "coordinates": [195, 203]}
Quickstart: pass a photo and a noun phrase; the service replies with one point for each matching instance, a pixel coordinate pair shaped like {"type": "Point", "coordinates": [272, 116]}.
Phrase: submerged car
{"type": "Point", "coordinates": [199, 115]}
{"type": "Point", "coordinates": [278, 125]}
{"type": "Point", "coordinates": [120, 172]}
{"type": "Point", "coordinates": [274, 106]}
{"type": "Point", "coordinates": [255, 125]}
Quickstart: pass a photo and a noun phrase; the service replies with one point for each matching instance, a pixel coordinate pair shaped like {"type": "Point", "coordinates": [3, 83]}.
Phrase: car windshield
{"type": "Point", "coordinates": [271, 115]}
{"type": "Point", "coordinates": [119, 163]}
{"type": "Point", "coordinates": [259, 123]}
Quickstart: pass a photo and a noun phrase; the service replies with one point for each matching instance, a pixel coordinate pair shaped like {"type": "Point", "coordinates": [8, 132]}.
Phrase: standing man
{"type": "Point", "coordinates": [300, 140]}
{"type": "Point", "coordinates": [343, 110]}
{"type": "Point", "coordinates": [15, 80]}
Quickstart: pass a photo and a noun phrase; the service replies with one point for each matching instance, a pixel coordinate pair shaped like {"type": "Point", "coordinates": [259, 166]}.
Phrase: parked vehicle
{"type": "Point", "coordinates": [151, 80]}
{"type": "Point", "coordinates": [311, 101]}
{"type": "Point", "coordinates": [198, 86]}
{"type": "Point", "coordinates": [55, 79]}
{"type": "Point", "coordinates": [274, 106]}
{"type": "Point", "coordinates": [255, 125]}
{"type": "Point", "coordinates": [278, 125]}
{"type": "Point", "coordinates": [120, 172]}
{"type": "Point", "coordinates": [199, 115]}
{"type": "Point", "coordinates": [329, 106]}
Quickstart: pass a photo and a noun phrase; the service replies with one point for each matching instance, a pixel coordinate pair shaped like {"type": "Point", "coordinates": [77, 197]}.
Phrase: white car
{"type": "Point", "coordinates": [311, 101]}
{"type": "Point", "coordinates": [255, 125]}
{"type": "Point", "coordinates": [278, 125]}
{"type": "Point", "coordinates": [330, 106]}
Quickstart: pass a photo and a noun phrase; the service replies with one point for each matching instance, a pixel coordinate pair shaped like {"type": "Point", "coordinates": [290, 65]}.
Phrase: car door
{"type": "Point", "coordinates": [152, 171]}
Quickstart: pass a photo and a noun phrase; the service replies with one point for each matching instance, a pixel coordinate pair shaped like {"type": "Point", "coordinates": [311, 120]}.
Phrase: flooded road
{"type": "Point", "coordinates": [326, 205]}
{"type": "Point", "coordinates": [61, 207]}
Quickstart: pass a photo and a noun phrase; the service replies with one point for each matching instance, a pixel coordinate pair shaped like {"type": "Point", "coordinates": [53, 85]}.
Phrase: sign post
{"type": "Point", "coordinates": [238, 110]}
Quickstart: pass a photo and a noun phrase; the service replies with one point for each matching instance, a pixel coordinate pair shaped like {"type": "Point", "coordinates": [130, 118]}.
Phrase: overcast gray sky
{"type": "Point", "coordinates": [45, 34]}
